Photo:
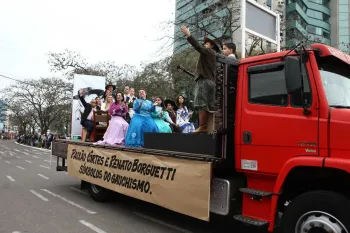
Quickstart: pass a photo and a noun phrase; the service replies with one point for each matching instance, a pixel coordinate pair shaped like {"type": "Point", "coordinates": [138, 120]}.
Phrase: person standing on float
{"type": "Point", "coordinates": [204, 93]}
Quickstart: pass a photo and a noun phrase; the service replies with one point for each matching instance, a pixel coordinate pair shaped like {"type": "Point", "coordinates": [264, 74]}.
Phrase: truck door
{"type": "Point", "coordinates": [273, 125]}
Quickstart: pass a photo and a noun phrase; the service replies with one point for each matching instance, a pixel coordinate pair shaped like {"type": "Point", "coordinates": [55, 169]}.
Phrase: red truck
{"type": "Point", "coordinates": [280, 156]}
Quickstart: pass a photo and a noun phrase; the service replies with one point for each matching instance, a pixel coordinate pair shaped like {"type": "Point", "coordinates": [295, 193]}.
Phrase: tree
{"type": "Point", "coordinates": [218, 19]}
{"type": "Point", "coordinates": [70, 63]}
{"type": "Point", "coordinates": [46, 98]}
{"type": "Point", "coordinates": [155, 78]}
{"type": "Point", "coordinates": [20, 115]}
{"type": "Point", "coordinates": [183, 83]}
{"type": "Point", "coordinates": [62, 123]}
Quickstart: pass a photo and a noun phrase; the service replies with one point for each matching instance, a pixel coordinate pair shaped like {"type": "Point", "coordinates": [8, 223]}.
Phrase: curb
{"type": "Point", "coordinates": [32, 147]}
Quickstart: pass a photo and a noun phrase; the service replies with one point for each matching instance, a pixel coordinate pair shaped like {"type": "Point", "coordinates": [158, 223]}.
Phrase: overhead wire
{"type": "Point", "coordinates": [17, 80]}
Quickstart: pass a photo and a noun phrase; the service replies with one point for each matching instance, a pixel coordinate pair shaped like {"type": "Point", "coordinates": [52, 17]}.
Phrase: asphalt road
{"type": "Point", "coordinates": [34, 198]}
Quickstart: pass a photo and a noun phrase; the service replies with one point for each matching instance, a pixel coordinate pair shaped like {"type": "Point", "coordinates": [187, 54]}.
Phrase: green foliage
{"type": "Point", "coordinates": [183, 83]}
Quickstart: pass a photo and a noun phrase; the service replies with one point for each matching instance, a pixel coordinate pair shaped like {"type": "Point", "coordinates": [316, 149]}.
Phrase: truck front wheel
{"type": "Point", "coordinates": [317, 212]}
{"type": "Point", "coordinates": [98, 193]}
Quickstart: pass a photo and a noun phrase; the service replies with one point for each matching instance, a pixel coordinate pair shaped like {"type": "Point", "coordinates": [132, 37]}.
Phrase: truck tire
{"type": "Point", "coordinates": [98, 193]}
{"type": "Point", "coordinates": [317, 211]}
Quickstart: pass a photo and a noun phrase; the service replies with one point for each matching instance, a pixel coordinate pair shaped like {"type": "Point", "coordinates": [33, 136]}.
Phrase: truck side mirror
{"type": "Point", "coordinates": [292, 74]}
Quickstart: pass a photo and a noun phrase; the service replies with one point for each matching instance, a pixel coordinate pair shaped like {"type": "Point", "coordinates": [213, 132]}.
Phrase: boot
{"type": "Point", "coordinates": [203, 122]}
{"type": "Point", "coordinates": [87, 137]}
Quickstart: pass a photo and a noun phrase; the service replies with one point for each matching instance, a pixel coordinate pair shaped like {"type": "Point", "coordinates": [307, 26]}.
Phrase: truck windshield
{"type": "Point", "coordinates": [337, 88]}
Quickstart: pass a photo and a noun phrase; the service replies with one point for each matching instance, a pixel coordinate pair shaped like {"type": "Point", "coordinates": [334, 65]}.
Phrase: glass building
{"type": "Point", "coordinates": [194, 12]}
{"type": "Point", "coordinates": [340, 25]}
{"type": "Point", "coordinates": [308, 20]}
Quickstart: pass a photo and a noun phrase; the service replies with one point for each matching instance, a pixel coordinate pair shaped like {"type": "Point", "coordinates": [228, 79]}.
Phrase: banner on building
{"type": "Point", "coordinates": [93, 86]}
{"type": "Point", "coordinates": [179, 185]}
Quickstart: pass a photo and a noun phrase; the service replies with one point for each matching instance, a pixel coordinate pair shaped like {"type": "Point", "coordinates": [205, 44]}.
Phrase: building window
{"type": "Point", "coordinates": [314, 14]}
{"type": "Point", "coordinates": [343, 9]}
{"type": "Point", "coordinates": [344, 40]}
{"type": "Point", "coordinates": [268, 87]}
{"type": "Point", "coordinates": [340, 2]}
{"type": "Point", "coordinates": [343, 24]}
{"type": "Point", "coordinates": [326, 35]}
{"type": "Point", "coordinates": [314, 30]}
{"type": "Point", "coordinates": [343, 16]}
{"type": "Point", "coordinates": [343, 31]}
{"type": "Point", "coordinates": [321, 2]}
{"type": "Point", "coordinates": [269, 3]}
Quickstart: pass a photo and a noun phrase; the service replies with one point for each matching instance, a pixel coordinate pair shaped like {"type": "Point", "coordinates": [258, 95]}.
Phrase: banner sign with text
{"type": "Point", "coordinates": [176, 184]}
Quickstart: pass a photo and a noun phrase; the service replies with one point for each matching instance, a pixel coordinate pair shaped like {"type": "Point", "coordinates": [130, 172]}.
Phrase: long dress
{"type": "Point", "coordinates": [160, 117]}
{"type": "Point", "coordinates": [140, 123]}
{"type": "Point", "coordinates": [118, 127]}
{"type": "Point", "coordinates": [183, 120]}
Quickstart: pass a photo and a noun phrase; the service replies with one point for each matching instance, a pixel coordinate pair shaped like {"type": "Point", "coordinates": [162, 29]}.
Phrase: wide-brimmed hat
{"type": "Point", "coordinates": [110, 85]}
{"type": "Point", "coordinates": [169, 101]}
{"type": "Point", "coordinates": [215, 45]}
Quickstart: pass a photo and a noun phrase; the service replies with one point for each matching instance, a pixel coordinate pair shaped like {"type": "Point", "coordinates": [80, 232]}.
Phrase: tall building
{"type": "Point", "coordinates": [210, 14]}
{"type": "Point", "coordinates": [308, 19]}
{"type": "Point", "coordinates": [340, 35]}
{"type": "Point", "coordinates": [214, 16]}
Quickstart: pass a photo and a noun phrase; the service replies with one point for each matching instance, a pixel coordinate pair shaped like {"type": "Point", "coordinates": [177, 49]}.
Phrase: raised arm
{"type": "Point", "coordinates": [82, 98]}
{"type": "Point", "coordinates": [195, 44]}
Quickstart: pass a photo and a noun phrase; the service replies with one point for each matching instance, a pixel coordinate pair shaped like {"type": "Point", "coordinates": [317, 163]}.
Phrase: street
{"type": "Point", "coordinates": [37, 199]}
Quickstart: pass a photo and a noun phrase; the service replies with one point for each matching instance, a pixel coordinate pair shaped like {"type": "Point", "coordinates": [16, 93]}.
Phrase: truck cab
{"type": "Point", "coordinates": [278, 151]}
{"type": "Point", "coordinates": [293, 112]}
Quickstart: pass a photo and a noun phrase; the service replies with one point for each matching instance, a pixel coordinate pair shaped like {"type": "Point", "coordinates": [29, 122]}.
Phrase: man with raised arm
{"type": "Point", "coordinates": [204, 93]}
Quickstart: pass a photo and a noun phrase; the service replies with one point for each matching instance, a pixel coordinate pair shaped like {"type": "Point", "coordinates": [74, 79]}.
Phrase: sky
{"type": "Point", "coordinates": [126, 32]}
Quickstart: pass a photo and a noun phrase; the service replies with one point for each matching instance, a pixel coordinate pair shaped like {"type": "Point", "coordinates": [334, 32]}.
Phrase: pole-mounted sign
{"type": "Point", "coordinates": [261, 22]}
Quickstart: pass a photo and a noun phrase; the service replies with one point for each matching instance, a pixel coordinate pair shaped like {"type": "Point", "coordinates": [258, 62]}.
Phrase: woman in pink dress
{"type": "Point", "coordinates": [116, 131]}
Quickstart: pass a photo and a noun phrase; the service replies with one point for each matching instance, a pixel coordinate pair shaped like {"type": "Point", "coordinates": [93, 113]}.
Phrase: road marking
{"type": "Point", "coordinates": [35, 156]}
{"type": "Point", "coordinates": [162, 223]}
{"type": "Point", "coordinates": [7, 161]}
{"type": "Point", "coordinates": [78, 190]}
{"type": "Point", "coordinates": [16, 150]}
{"type": "Point", "coordinates": [17, 157]}
{"type": "Point", "coordinates": [39, 195]}
{"type": "Point", "coordinates": [31, 147]}
{"type": "Point", "coordinates": [21, 167]}
{"type": "Point", "coordinates": [44, 176]}
{"type": "Point", "coordinates": [28, 161]}
{"type": "Point", "coordinates": [92, 227]}
{"type": "Point", "coordinates": [10, 178]}
{"type": "Point", "coordinates": [45, 167]}
{"type": "Point", "coordinates": [47, 161]}
{"type": "Point", "coordinates": [16, 232]}
{"type": "Point", "coordinates": [70, 202]}
{"type": "Point", "coordinates": [25, 153]}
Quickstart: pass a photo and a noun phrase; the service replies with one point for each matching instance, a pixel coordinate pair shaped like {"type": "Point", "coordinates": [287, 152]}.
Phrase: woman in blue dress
{"type": "Point", "coordinates": [141, 122]}
{"type": "Point", "coordinates": [161, 117]}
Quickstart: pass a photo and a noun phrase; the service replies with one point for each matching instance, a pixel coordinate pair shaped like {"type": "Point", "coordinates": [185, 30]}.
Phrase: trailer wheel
{"type": "Point", "coordinates": [98, 193]}
{"type": "Point", "coordinates": [317, 212]}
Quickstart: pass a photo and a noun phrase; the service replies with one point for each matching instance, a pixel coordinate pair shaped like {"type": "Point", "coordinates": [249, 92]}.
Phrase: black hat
{"type": "Point", "coordinates": [215, 46]}
{"type": "Point", "coordinates": [110, 85]}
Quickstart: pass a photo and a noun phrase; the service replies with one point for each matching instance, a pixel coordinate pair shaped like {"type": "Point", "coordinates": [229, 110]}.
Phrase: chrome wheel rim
{"type": "Point", "coordinates": [319, 222]}
{"type": "Point", "coordinates": [95, 188]}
